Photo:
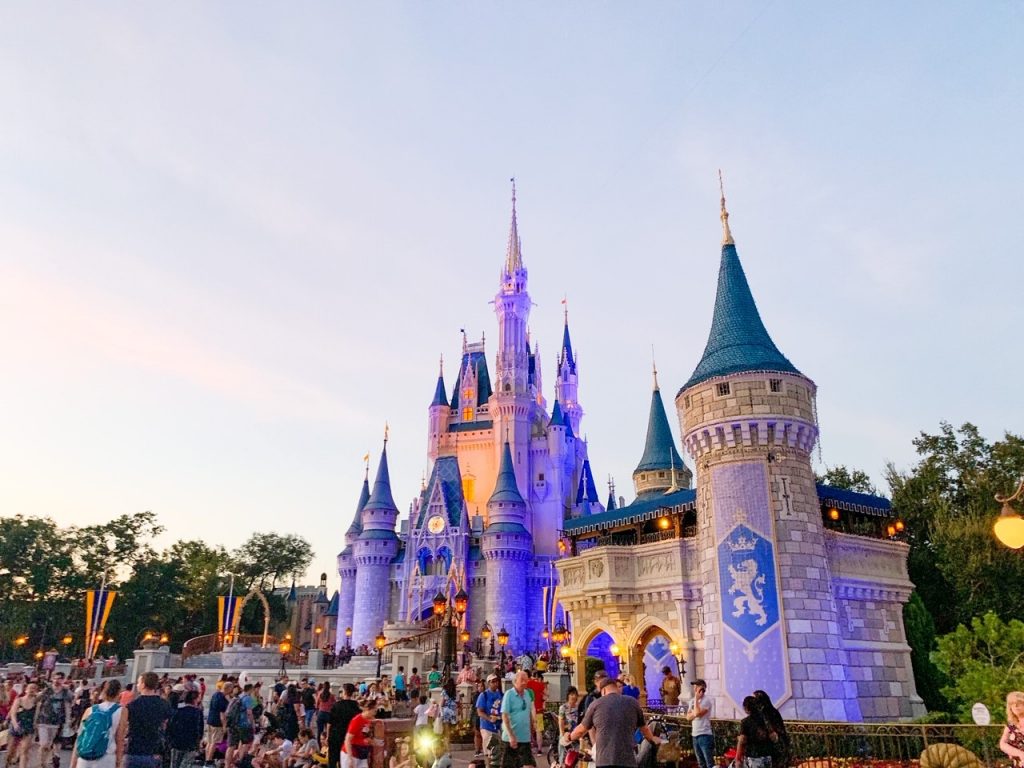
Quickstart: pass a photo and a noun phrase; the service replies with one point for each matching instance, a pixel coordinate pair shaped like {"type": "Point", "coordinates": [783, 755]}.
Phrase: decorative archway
{"type": "Point", "coordinates": [651, 653]}
{"type": "Point", "coordinates": [598, 636]}
{"type": "Point", "coordinates": [266, 616]}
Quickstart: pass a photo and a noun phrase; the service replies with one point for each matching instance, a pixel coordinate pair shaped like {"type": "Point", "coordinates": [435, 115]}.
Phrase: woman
{"type": "Point", "coordinates": [568, 718]}
{"type": "Point", "coordinates": [474, 718]}
{"type": "Point", "coordinates": [116, 733]}
{"type": "Point", "coordinates": [289, 712]}
{"type": "Point", "coordinates": [629, 689]}
{"type": "Point", "coordinates": [324, 702]}
{"type": "Point", "coordinates": [23, 717]}
{"type": "Point", "coordinates": [776, 729]}
{"type": "Point", "coordinates": [753, 746]}
{"type": "Point", "coordinates": [403, 755]}
{"type": "Point", "coordinates": [1012, 740]}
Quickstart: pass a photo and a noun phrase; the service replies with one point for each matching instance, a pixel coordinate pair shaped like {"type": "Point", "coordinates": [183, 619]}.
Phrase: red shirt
{"type": "Point", "coordinates": [537, 686]}
{"type": "Point", "coordinates": [361, 731]}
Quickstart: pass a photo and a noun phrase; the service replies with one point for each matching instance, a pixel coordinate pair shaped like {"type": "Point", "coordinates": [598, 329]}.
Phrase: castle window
{"type": "Point", "coordinates": [775, 385]}
{"type": "Point", "coordinates": [686, 401]}
{"type": "Point", "coordinates": [467, 414]}
{"type": "Point", "coordinates": [723, 388]}
{"type": "Point", "coordinates": [540, 477]}
{"type": "Point", "coordinates": [661, 474]}
{"type": "Point", "coordinates": [508, 386]}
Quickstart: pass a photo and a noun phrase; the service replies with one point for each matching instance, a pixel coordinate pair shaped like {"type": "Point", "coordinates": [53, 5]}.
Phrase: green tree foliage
{"type": "Point", "coordinates": [920, 628]}
{"type": "Point", "coordinates": [982, 663]}
{"type": "Point", "coordinates": [267, 558]}
{"type": "Point", "coordinates": [850, 479]}
{"type": "Point", "coordinates": [946, 500]}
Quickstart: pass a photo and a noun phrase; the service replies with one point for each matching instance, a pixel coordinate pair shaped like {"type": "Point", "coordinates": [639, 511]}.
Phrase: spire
{"type": "Point", "coordinates": [660, 450]}
{"type": "Point", "coordinates": [726, 234]}
{"type": "Point", "coordinates": [654, 369]}
{"type": "Point", "coordinates": [293, 596]}
{"type": "Point", "coordinates": [505, 488]}
{"type": "Point", "coordinates": [558, 419]}
{"type": "Point", "coordinates": [440, 397]}
{"type": "Point", "coordinates": [587, 490]}
{"type": "Point", "coordinates": [611, 495]}
{"type": "Point", "coordinates": [738, 340]}
{"type": "Point", "coordinates": [514, 255]}
{"type": "Point", "coordinates": [381, 497]}
{"type": "Point", "coordinates": [357, 522]}
{"type": "Point", "coordinates": [566, 355]}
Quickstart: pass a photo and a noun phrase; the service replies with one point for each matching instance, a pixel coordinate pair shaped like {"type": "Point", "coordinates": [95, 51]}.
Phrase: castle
{"type": "Point", "coordinates": [757, 578]}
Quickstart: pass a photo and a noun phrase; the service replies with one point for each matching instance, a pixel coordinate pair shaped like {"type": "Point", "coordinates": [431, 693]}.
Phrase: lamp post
{"type": "Point", "coordinates": [285, 648]}
{"type": "Point", "coordinates": [380, 641]}
{"type": "Point", "coordinates": [348, 637]}
{"type": "Point", "coordinates": [450, 617]}
{"type": "Point", "coordinates": [1009, 526]}
{"type": "Point", "coordinates": [317, 631]}
{"type": "Point", "coordinates": [566, 653]}
{"type": "Point", "coordinates": [559, 635]}
{"type": "Point", "coordinates": [488, 637]}
{"type": "Point", "coordinates": [677, 653]}
{"type": "Point", "coordinates": [66, 641]}
{"type": "Point", "coordinates": [614, 650]}
{"type": "Point", "coordinates": [503, 641]}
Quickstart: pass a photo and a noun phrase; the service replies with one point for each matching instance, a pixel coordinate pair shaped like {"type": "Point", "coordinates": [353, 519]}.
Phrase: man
{"type": "Point", "coordinates": [538, 688]}
{"type": "Point", "coordinates": [54, 704]}
{"type": "Point", "coordinates": [614, 719]}
{"type": "Point", "coordinates": [671, 687]}
{"type": "Point", "coordinates": [344, 709]}
{"type": "Point", "coordinates": [185, 730]}
{"type": "Point", "coordinates": [400, 694]}
{"type": "Point", "coordinates": [216, 723]}
{"type": "Point", "coordinates": [147, 716]}
{"type": "Point", "coordinates": [595, 693]}
{"type": "Point", "coordinates": [359, 737]}
{"type": "Point", "coordinates": [309, 701]}
{"type": "Point", "coordinates": [434, 677]}
{"type": "Point", "coordinates": [277, 749]}
{"type": "Point", "coordinates": [699, 715]}
{"type": "Point", "coordinates": [517, 724]}
{"type": "Point", "coordinates": [488, 708]}
{"type": "Point", "coordinates": [241, 728]}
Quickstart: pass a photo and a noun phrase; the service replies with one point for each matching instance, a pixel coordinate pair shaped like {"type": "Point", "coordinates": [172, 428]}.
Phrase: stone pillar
{"type": "Point", "coordinates": [315, 659]}
{"type": "Point", "coordinates": [558, 683]}
{"type": "Point", "coordinates": [147, 659]}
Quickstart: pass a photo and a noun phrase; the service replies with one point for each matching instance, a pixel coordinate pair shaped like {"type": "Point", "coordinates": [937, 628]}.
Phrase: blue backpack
{"type": "Point", "coordinates": [94, 738]}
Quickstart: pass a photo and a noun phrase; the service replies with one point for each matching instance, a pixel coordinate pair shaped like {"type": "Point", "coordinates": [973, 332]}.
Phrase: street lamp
{"type": "Point", "coordinates": [440, 604]}
{"type": "Point", "coordinates": [66, 641]}
{"type": "Point", "coordinates": [348, 637]}
{"type": "Point", "coordinates": [677, 653]}
{"type": "Point", "coordinates": [317, 631]}
{"type": "Point", "coordinates": [380, 641]}
{"type": "Point", "coordinates": [285, 648]}
{"type": "Point", "coordinates": [1009, 526]}
{"type": "Point", "coordinates": [503, 641]}
{"type": "Point", "coordinates": [164, 638]}
{"type": "Point", "coordinates": [566, 652]}
{"type": "Point", "coordinates": [486, 635]}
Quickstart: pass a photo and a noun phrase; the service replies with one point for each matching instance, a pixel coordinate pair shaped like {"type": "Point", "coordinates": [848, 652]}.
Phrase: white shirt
{"type": "Point", "coordinates": [702, 725]}
{"type": "Point", "coordinates": [422, 714]}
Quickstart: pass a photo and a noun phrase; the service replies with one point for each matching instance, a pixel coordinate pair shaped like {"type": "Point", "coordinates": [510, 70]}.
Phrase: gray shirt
{"type": "Point", "coordinates": [614, 718]}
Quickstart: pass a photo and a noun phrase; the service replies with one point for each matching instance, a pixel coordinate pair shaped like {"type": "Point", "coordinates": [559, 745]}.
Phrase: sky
{"type": "Point", "coordinates": [236, 237]}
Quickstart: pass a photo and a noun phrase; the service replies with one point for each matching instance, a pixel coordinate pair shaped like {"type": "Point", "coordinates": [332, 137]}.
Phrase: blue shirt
{"type": "Point", "coordinates": [490, 702]}
{"type": "Point", "coordinates": [218, 705]}
{"type": "Point", "coordinates": [519, 708]}
{"type": "Point", "coordinates": [399, 682]}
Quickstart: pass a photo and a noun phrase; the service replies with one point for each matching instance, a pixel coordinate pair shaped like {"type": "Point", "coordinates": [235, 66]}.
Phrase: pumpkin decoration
{"type": "Point", "coordinates": [949, 756]}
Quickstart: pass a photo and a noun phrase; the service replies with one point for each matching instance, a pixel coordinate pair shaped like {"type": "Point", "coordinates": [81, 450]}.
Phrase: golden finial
{"type": "Point", "coordinates": [385, 433]}
{"type": "Point", "coordinates": [726, 234]}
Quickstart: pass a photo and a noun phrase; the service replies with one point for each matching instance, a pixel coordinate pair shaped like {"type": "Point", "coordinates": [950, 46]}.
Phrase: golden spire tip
{"type": "Point", "coordinates": [726, 234]}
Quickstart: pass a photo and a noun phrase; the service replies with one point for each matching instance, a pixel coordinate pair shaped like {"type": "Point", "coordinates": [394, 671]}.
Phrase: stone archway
{"type": "Point", "coordinates": [598, 631]}
{"type": "Point", "coordinates": [266, 616]}
{"type": "Point", "coordinates": [649, 654]}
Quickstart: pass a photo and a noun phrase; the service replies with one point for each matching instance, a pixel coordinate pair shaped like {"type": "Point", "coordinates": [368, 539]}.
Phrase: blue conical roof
{"type": "Point", "coordinates": [293, 596]}
{"type": "Point", "coordinates": [558, 419]}
{"type": "Point", "coordinates": [381, 496]}
{"type": "Point", "coordinates": [587, 490]}
{"type": "Point", "coordinates": [567, 347]}
{"type": "Point", "coordinates": [440, 397]}
{"type": "Point", "coordinates": [332, 609]}
{"type": "Point", "coordinates": [505, 488]}
{"type": "Point", "coordinates": [660, 450]}
{"type": "Point", "coordinates": [611, 502]}
{"type": "Point", "coordinates": [738, 340]}
{"type": "Point", "coordinates": [357, 522]}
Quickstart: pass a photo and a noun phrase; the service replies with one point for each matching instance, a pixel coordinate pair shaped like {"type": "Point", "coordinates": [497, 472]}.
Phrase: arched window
{"type": "Point", "coordinates": [443, 561]}
{"type": "Point", "coordinates": [425, 558]}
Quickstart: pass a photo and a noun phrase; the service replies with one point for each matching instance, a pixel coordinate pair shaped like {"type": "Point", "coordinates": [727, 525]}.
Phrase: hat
{"type": "Point", "coordinates": [610, 681]}
{"type": "Point", "coordinates": [600, 674]}
{"type": "Point", "coordinates": [178, 688]}
{"type": "Point", "coordinates": [492, 676]}
{"type": "Point", "coordinates": [699, 682]}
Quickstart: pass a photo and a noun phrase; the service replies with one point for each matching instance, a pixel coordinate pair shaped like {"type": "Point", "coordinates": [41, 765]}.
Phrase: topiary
{"type": "Point", "coordinates": [949, 756]}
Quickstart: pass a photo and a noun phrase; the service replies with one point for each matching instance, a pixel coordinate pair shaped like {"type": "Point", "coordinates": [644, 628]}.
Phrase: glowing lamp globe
{"type": "Point", "coordinates": [380, 641]}
{"type": "Point", "coordinates": [614, 650]}
{"type": "Point", "coordinates": [566, 651]}
{"type": "Point", "coordinates": [485, 631]}
{"type": "Point", "coordinates": [503, 637]}
{"type": "Point", "coordinates": [461, 602]}
{"type": "Point", "coordinates": [440, 603]}
{"type": "Point", "coordinates": [1009, 528]}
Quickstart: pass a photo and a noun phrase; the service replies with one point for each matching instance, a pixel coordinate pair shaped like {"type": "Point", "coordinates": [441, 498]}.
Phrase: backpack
{"type": "Point", "coordinates": [234, 713]}
{"type": "Point", "coordinates": [94, 737]}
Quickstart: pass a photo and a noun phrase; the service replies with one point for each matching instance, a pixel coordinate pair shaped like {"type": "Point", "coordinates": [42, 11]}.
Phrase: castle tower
{"type": "Point", "coordinates": [373, 552]}
{"type": "Point", "coordinates": [661, 468]}
{"type": "Point", "coordinates": [347, 567]}
{"type": "Point", "coordinates": [508, 549]}
{"type": "Point", "coordinates": [440, 415]}
{"type": "Point", "coordinates": [512, 401]}
{"type": "Point", "coordinates": [749, 423]}
{"type": "Point", "coordinates": [567, 383]}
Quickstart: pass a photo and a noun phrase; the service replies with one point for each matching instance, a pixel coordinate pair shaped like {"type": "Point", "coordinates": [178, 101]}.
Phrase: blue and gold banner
{"type": "Point", "coordinates": [753, 645]}
{"type": "Point", "coordinates": [226, 607]}
{"type": "Point", "coordinates": [98, 603]}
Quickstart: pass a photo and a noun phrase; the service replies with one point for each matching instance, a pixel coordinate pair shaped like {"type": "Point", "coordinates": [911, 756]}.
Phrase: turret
{"type": "Point", "coordinates": [749, 423]}
{"type": "Point", "coordinates": [347, 565]}
{"type": "Point", "coordinates": [512, 306]}
{"type": "Point", "coordinates": [660, 468]}
{"type": "Point", "coordinates": [587, 500]}
{"type": "Point", "coordinates": [440, 414]}
{"type": "Point", "coordinates": [373, 552]}
{"type": "Point", "coordinates": [508, 548]}
{"type": "Point", "coordinates": [567, 383]}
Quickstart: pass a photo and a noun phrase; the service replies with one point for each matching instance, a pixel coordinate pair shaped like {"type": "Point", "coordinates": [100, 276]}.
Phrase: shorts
{"type": "Point", "coordinates": [518, 756]}
{"type": "Point", "coordinates": [47, 733]}
{"type": "Point", "coordinates": [215, 734]}
{"type": "Point", "coordinates": [240, 736]}
{"type": "Point", "coordinates": [539, 724]}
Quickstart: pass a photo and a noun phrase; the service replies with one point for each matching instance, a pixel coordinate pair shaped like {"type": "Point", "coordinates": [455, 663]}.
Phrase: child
{"type": "Point", "coordinates": [302, 757]}
{"type": "Point", "coordinates": [276, 752]}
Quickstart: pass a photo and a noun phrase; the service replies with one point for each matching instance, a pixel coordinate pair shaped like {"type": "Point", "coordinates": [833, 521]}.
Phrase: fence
{"type": "Point", "coordinates": [850, 745]}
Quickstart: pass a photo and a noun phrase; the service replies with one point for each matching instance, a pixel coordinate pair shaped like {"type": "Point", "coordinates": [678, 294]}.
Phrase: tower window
{"type": "Point", "coordinates": [775, 385]}
{"type": "Point", "coordinates": [686, 401]}
{"type": "Point", "coordinates": [467, 414]}
{"type": "Point", "coordinates": [661, 474]}
{"type": "Point", "coordinates": [540, 477]}
{"type": "Point", "coordinates": [723, 389]}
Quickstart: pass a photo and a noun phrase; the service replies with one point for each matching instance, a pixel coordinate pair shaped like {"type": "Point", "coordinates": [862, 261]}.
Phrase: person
{"type": "Point", "coordinates": [614, 719]}
{"type": "Point", "coordinates": [699, 715]}
{"type": "Point", "coordinates": [670, 688]}
{"type": "Point", "coordinates": [538, 688]}
{"type": "Point", "coordinates": [422, 712]}
{"type": "Point", "coordinates": [23, 725]}
{"type": "Point", "coordinates": [216, 722]}
{"type": "Point", "coordinates": [753, 746]}
{"type": "Point", "coordinates": [54, 703]}
{"type": "Point", "coordinates": [402, 758]}
{"type": "Point", "coordinates": [400, 693]}
{"type": "Point", "coordinates": [359, 737]}
{"type": "Point", "coordinates": [241, 729]}
{"type": "Point", "coordinates": [342, 712]}
{"type": "Point", "coordinates": [777, 732]}
{"type": "Point", "coordinates": [185, 730]}
{"type": "Point", "coordinates": [415, 683]}
{"type": "Point", "coordinates": [147, 716]}
{"type": "Point", "coordinates": [595, 693]}
{"type": "Point", "coordinates": [434, 677]}
{"type": "Point", "coordinates": [324, 702]}
{"type": "Point", "coordinates": [127, 695]}
{"type": "Point", "coordinates": [109, 715]}
{"type": "Point", "coordinates": [517, 724]}
{"type": "Point", "coordinates": [568, 717]}
{"type": "Point", "coordinates": [442, 757]}
{"type": "Point", "coordinates": [276, 752]}
{"type": "Point", "coordinates": [474, 719]}
{"type": "Point", "coordinates": [302, 756]}
{"type": "Point", "coordinates": [488, 707]}
{"type": "Point", "coordinates": [629, 688]}
{"type": "Point", "coordinates": [1012, 740]}
{"type": "Point", "coordinates": [308, 704]}
{"type": "Point", "coordinates": [289, 709]}
{"type": "Point", "coordinates": [449, 711]}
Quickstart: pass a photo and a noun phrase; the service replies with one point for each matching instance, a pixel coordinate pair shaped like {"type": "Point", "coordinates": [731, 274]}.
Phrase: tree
{"type": "Point", "coordinates": [920, 629]}
{"type": "Point", "coordinates": [265, 558]}
{"type": "Point", "coordinates": [849, 479]}
{"type": "Point", "coordinates": [982, 663]}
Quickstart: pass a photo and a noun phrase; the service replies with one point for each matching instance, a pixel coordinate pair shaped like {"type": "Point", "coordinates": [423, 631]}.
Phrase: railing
{"type": "Point", "coordinates": [847, 745]}
{"type": "Point", "coordinates": [197, 646]}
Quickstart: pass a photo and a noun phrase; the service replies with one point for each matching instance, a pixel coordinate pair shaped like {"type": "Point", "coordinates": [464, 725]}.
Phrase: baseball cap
{"type": "Point", "coordinates": [610, 681]}
{"type": "Point", "coordinates": [699, 682]}
{"type": "Point", "coordinates": [492, 677]}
